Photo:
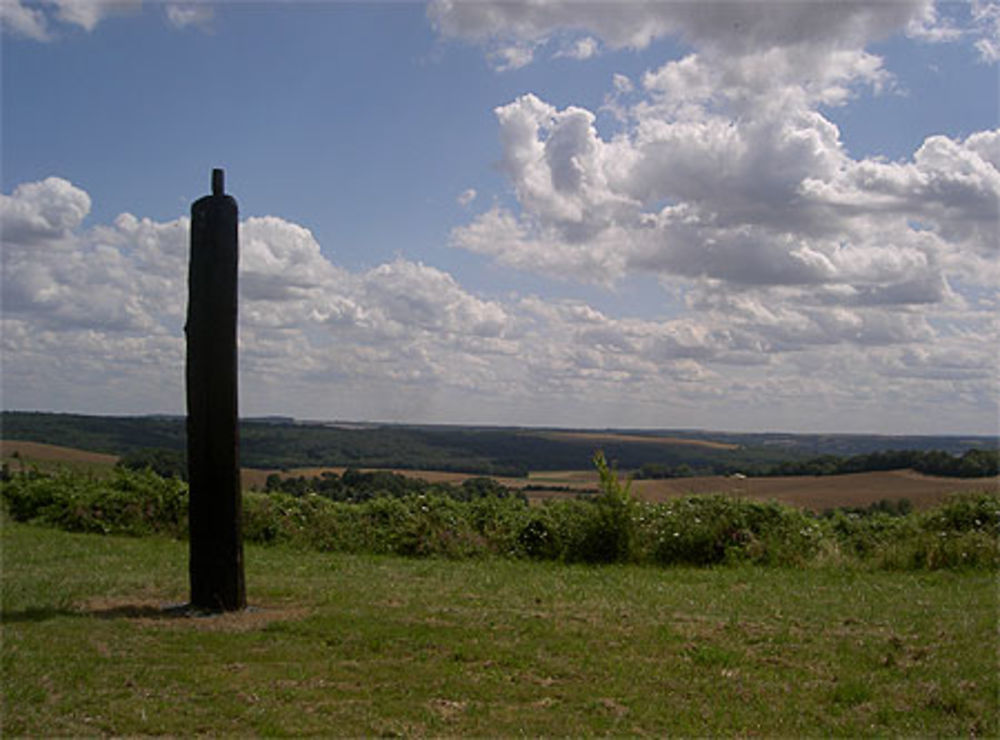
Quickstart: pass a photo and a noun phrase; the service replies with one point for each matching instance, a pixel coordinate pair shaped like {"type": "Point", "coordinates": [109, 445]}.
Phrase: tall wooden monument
{"type": "Point", "coordinates": [215, 506]}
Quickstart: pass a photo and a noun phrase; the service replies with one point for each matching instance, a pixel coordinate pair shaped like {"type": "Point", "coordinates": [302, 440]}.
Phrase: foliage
{"type": "Point", "coordinates": [165, 463]}
{"type": "Point", "coordinates": [483, 520]}
{"type": "Point", "coordinates": [282, 443]}
{"type": "Point", "coordinates": [126, 502]}
{"type": "Point", "coordinates": [357, 485]}
{"type": "Point", "coordinates": [973, 463]}
{"type": "Point", "coordinates": [609, 535]}
{"type": "Point", "coordinates": [962, 532]}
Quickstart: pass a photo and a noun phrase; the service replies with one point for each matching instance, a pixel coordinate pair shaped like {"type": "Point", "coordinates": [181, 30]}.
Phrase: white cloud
{"type": "Point", "coordinates": [183, 15]}
{"type": "Point", "coordinates": [466, 197]}
{"type": "Point", "coordinates": [986, 25]}
{"type": "Point", "coordinates": [737, 27]}
{"type": "Point", "coordinates": [622, 83]}
{"type": "Point", "coordinates": [729, 184]}
{"type": "Point", "coordinates": [726, 170]}
{"type": "Point", "coordinates": [49, 210]}
{"type": "Point", "coordinates": [511, 56]}
{"type": "Point", "coordinates": [88, 13]}
{"type": "Point", "coordinates": [94, 316]}
{"type": "Point", "coordinates": [41, 20]}
{"type": "Point", "coordinates": [404, 296]}
{"type": "Point", "coordinates": [581, 48]}
{"type": "Point", "coordinates": [22, 20]}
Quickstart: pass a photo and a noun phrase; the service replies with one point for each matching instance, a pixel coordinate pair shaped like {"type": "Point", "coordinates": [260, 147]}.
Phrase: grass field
{"type": "Point", "coordinates": [363, 645]}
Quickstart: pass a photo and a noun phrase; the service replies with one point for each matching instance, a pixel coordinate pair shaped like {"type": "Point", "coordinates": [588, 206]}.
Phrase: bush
{"type": "Point", "coordinates": [165, 463]}
{"type": "Point", "coordinates": [602, 529]}
{"type": "Point", "coordinates": [710, 530]}
{"type": "Point", "coordinates": [127, 502]}
{"type": "Point", "coordinates": [608, 528]}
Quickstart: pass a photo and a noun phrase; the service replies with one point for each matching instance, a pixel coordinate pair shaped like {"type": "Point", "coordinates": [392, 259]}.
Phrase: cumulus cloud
{"type": "Point", "coordinates": [46, 210]}
{"type": "Point", "coordinates": [115, 293]}
{"type": "Point", "coordinates": [728, 182]}
{"type": "Point", "coordinates": [727, 176]}
{"type": "Point", "coordinates": [94, 315]}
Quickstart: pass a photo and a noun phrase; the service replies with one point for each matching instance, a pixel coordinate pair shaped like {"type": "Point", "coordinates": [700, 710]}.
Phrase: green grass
{"type": "Point", "coordinates": [367, 645]}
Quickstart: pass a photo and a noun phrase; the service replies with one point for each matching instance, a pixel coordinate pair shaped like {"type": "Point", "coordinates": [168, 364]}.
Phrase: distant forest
{"type": "Point", "coordinates": [280, 443]}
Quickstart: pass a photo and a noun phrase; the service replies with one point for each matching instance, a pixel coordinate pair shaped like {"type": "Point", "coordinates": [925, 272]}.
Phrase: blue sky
{"type": "Point", "coordinates": [575, 214]}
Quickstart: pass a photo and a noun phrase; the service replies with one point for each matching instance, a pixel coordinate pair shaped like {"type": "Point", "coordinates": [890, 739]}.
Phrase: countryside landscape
{"type": "Point", "coordinates": [437, 602]}
{"type": "Point", "coordinates": [541, 463]}
{"type": "Point", "coordinates": [499, 368]}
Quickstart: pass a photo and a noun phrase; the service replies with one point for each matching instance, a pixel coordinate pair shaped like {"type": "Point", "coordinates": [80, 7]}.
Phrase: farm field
{"type": "Point", "coordinates": [366, 645]}
{"type": "Point", "coordinates": [603, 438]}
{"type": "Point", "coordinates": [16, 453]}
{"type": "Point", "coordinates": [821, 492]}
{"type": "Point", "coordinates": [806, 492]}
{"type": "Point", "coordinates": [809, 492]}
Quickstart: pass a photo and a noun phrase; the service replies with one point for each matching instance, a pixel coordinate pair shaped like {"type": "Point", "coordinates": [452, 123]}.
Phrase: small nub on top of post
{"type": "Point", "coordinates": [218, 182]}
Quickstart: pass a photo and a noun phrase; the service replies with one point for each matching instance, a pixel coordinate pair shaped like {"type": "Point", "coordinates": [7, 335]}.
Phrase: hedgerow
{"type": "Point", "coordinates": [608, 527]}
{"type": "Point", "coordinates": [126, 502]}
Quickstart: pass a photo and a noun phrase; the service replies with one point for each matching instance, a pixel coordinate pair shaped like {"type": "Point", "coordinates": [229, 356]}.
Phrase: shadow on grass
{"type": "Point", "coordinates": [123, 611]}
{"type": "Point", "coordinates": [35, 614]}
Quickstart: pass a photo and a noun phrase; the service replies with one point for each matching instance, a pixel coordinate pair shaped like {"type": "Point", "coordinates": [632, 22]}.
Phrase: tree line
{"type": "Point", "coordinates": [973, 463]}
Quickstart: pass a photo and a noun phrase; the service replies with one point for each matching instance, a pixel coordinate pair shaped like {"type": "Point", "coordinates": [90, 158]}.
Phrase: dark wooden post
{"type": "Point", "coordinates": [215, 506]}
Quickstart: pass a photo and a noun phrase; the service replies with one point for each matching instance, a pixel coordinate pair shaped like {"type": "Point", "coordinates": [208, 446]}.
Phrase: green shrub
{"type": "Point", "coordinates": [418, 525]}
{"type": "Point", "coordinates": [608, 528]}
{"type": "Point", "coordinates": [603, 528]}
{"type": "Point", "coordinates": [968, 512]}
{"type": "Point", "coordinates": [709, 530]}
{"type": "Point", "coordinates": [864, 536]}
{"type": "Point", "coordinates": [126, 502]}
{"type": "Point", "coordinates": [538, 538]}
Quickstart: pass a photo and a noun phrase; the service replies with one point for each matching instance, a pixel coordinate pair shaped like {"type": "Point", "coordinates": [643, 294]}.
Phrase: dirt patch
{"type": "Point", "coordinates": [613, 707]}
{"type": "Point", "coordinates": [447, 708]}
{"type": "Point", "coordinates": [182, 616]}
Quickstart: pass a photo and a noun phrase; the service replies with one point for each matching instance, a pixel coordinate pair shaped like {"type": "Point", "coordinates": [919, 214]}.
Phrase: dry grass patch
{"type": "Point", "coordinates": [16, 453]}
{"type": "Point", "coordinates": [610, 438]}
